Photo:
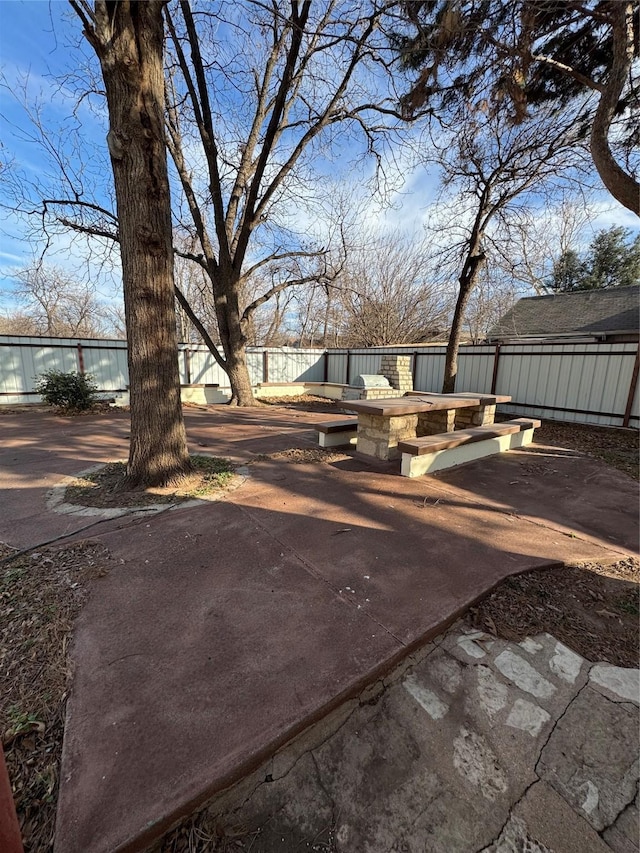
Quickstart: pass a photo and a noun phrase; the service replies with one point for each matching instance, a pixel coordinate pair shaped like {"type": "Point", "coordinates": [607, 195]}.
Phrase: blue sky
{"type": "Point", "coordinates": [34, 42]}
{"type": "Point", "coordinates": [37, 50]}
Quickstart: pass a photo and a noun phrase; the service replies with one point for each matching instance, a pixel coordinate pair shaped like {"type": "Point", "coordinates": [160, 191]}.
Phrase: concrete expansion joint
{"type": "Point", "coordinates": [315, 572]}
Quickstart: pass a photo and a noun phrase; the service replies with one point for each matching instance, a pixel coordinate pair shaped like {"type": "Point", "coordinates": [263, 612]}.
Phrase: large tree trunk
{"type": "Point", "coordinates": [232, 331]}
{"type": "Point", "coordinates": [233, 339]}
{"type": "Point", "coordinates": [128, 38]}
{"type": "Point", "coordinates": [621, 185]}
{"type": "Point", "coordinates": [467, 282]}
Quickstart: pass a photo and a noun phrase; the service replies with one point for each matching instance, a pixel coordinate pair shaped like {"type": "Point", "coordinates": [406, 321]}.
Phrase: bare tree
{"type": "Point", "coordinates": [492, 297]}
{"type": "Point", "coordinates": [52, 302]}
{"type": "Point", "coordinates": [539, 235]}
{"type": "Point", "coordinates": [389, 295]}
{"type": "Point", "coordinates": [128, 39]}
{"type": "Point", "coordinates": [192, 283]}
{"type": "Point", "coordinates": [490, 168]}
{"type": "Point", "coordinates": [255, 138]}
{"type": "Point", "coordinates": [254, 124]}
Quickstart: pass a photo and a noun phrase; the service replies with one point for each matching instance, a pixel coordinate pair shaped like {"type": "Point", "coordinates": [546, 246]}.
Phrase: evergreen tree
{"type": "Point", "coordinates": [569, 273]}
{"type": "Point", "coordinates": [517, 55]}
{"type": "Point", "coordinates": [612, 260]}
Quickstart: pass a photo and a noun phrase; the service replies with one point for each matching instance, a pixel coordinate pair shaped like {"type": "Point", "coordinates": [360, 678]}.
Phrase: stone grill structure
{"type": "Point", "coordinates": [369, 387]}
{"type": "Point", "coordinates": [393, 380]}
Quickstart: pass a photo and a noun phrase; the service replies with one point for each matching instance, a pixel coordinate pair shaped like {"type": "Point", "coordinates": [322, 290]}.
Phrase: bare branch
{"type": "Point", "coordinates": [571, 72]}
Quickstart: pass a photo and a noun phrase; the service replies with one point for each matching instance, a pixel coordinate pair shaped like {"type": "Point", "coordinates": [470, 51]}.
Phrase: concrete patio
{"type": "Point", "coordinates": [224, 630]}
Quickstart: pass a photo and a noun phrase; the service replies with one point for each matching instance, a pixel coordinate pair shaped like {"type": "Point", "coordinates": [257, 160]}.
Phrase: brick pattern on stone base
{"type": "Point", "coordinates": [397, 369]}
{"type": "Point", "coordinates": [353, 393]}
{"type": "Point", "coordinates": [475, 416]}
{"type": "Point", "coordinates": [433, 423]}
{"type": "Point", "coordinates": [379, 437]}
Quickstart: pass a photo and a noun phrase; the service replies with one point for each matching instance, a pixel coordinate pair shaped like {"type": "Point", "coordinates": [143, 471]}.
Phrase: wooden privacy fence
{"type": "Point", "coordinates": [581, 382]}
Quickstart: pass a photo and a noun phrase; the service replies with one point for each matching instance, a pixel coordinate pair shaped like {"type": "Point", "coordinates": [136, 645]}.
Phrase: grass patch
{"type": "Point", "coordinates": [106, 487]}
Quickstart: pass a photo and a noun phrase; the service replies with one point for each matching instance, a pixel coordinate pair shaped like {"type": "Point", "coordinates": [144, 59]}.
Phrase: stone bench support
{"type": "Point", "coordinates": [379, 436]}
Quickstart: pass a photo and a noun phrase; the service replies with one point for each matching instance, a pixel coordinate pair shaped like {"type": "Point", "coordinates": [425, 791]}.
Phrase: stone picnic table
{"type": "Point", "coordinates": [382, 424]}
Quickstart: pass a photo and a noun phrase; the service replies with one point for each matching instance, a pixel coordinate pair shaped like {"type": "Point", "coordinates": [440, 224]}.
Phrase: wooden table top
{"type": "Point", "coordinates": [415, 404]}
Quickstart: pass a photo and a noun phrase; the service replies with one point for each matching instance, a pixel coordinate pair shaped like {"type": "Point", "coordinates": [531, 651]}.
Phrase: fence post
{"type": "Point", "coordinates": [496, 361]}
{"type": "Point", "coordinates": [187, 366]}
{"type": "Point", "coordinates": [632, 389]}
{"type": "Point", "coordinates": [80, 358]}
{"type": "Point", "coordinates": [326, 367]}
{"type": "Point", "coordinates": [348, 366]}
{"type": "Point", "coordinates": [414, 369]}
{"type": "Point", "coordinates": [265, 365]}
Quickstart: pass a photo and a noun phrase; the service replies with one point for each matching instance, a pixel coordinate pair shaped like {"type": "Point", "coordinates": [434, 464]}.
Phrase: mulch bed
{"type": "Point", "coordinates": [617, 447]}
{"type": "Point", "coordinates": [107, 487]}
{"type": "Point", "coordinates": [40, 596]}
{"type": "Point", "coordinates": [591, 608]}
{"type": "Point", "coordinates": [302, 455]}
{"type": "Point", "coordinates": [303, 402]}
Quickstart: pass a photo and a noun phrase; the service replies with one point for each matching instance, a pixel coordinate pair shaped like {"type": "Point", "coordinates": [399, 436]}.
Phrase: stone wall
{"type": "Point", "coordinates": [352, 392]}
{"type": "Point", "coordinates": [477, 416]}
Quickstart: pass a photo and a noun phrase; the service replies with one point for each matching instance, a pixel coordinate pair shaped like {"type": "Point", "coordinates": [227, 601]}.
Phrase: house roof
{"type": "Point", "coordinates": [591, 312]}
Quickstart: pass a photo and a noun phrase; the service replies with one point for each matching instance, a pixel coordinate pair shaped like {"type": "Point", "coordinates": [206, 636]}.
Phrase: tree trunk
{"type": "Point", "coordinates": [233, 339]}
{"type": "Point", "coordinates": [621, 185]}
{"type": "Point", "coordinates": [128, 38]}
{"type": "Point", "coordinates": [467, 282]}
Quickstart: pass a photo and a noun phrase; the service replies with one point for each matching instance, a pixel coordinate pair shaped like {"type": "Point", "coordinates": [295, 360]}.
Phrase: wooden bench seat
{"type": "Point", "coordinates": [434, 452]}
{"type": "Point", "coordinates": [336, 433]}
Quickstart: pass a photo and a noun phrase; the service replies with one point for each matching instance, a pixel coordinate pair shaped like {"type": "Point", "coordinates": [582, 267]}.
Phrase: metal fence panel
{"type": "Point", "coordinates": [429, 369]}
{"type": "Point", "coordinates": [581, 382]}
{"type": "Point", "coordinates": [337, 366]}
{"type": "Point", "coordinates": [475, 368]}
{"type": "Point", "coordinates": [305, 365]}
{"type": "Point", "coordinates": [577, 382]}
{"type": "Point", "coordinates": [108, 368]}
{"type": "Point", "coordinates": [255, 365]}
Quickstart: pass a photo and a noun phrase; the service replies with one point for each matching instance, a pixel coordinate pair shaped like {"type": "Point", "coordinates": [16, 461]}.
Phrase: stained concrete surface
{"type": "Point", "coordinates": [224, 630]}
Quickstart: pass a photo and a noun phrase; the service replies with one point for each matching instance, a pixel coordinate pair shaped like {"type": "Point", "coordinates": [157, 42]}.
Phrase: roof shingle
{"type": "Point", "coordinates": [591, 312]}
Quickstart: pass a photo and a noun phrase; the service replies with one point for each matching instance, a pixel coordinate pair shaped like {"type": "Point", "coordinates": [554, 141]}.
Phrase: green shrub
{"type": "Point", "coordinates": [73, 391]}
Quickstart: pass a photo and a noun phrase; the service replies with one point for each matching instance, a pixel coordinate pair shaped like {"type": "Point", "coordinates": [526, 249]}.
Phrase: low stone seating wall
{"type": "Point", "coordinates": [435, 452]}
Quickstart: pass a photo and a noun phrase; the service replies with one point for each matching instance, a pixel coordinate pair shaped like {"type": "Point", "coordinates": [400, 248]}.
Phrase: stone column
{"type": "Point", "coordinates": [379, 437]}
{"type": "Point", "coordinates": [432, 423]}
{"type": "Point", "coordinates": [475, 416]}
{"type": "Point", "coordinates": [397, 369]}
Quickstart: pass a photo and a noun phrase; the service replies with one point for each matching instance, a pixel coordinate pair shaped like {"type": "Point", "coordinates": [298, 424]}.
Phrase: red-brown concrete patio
{"type": "Point", "coordinates": [225, 629]}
